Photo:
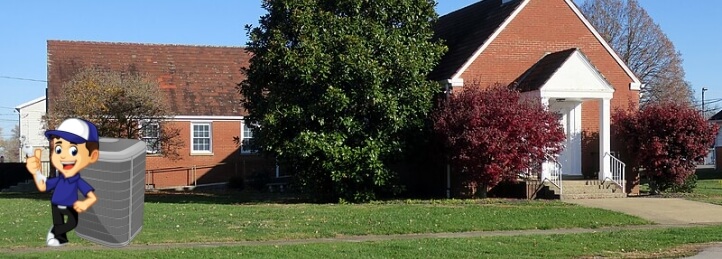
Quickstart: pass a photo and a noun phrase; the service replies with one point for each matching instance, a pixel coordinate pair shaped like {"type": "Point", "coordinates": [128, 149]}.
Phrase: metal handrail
{"type": "Point", "coordinates": [191, 172]}
{"type": "Point", "coordinates": [556, 175]}
{"type": "Point", "coordinates": [617, 169]}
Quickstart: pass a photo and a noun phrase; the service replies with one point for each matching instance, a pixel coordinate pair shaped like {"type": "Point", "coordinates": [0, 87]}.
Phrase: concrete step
{"type": "Point", "coordinates": [581, 183]}
{"type": "Point", "coordinates": [586, 189]}
{"type": "Point", "coordinates": [566, 196]}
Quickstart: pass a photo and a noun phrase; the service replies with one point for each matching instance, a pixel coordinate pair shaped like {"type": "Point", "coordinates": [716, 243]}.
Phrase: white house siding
{"type": "Point", "coordinates": [31, 125]}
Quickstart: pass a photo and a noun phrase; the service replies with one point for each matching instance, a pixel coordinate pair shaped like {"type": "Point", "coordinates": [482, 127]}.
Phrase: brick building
{"type": "Point", "coordinates": [199, 82]}
{"type": "Point", "coordinates": [546, 48]}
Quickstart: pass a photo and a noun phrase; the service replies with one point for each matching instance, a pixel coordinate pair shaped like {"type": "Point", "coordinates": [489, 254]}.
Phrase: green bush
{"type": "Point", "coordinates": [688, 186]}
{"type": "Point", "coordinates": [237, 183]}
{"type": "Point", "coordinates": [258, 180]}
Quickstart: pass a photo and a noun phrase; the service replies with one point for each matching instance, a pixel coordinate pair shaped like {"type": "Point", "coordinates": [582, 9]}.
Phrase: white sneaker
{"type": "Point", "coordinates": [54, 242]}
{"type": "Point", "coordinates": [50, 234]}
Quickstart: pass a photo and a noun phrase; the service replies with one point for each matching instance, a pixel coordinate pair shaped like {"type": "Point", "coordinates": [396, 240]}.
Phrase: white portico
{"type": "Point", "coordinates": [563, 81]}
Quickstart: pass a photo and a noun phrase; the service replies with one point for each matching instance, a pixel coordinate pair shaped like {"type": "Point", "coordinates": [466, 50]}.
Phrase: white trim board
{"type": "Point", "coordinates": [492, 37]}
{"type": "Point", "coordinates": [634, 85]}
{"type": "Point", "coordinates": [34, 101]}
{"type": "Point", "coordinates": [204, 118]}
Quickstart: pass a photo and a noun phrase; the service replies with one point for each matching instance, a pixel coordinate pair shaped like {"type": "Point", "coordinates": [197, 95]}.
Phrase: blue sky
{"type": "Point", "coordinates": [695, 27]}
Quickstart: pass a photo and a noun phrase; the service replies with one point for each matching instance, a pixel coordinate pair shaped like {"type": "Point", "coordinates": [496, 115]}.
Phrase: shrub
{"type": "Point", "coordinates": [237, 183]}
{"type": "Point", "coordinates": [667, 140]}
{"type": "Point", "coordinates": [492, 134]}
{"type": "Point", "coordinates": [688, 186]}
{"type": "Point", "coordinates": [259, 179]}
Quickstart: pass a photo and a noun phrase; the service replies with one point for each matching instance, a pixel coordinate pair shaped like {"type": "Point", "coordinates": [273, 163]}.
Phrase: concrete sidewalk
{"type": "Point", "coordinates": [665, 211]}
{"type": "Point", "coordinates": [660, 210]}
{"type": "Point", "coordinates": [352, 239]}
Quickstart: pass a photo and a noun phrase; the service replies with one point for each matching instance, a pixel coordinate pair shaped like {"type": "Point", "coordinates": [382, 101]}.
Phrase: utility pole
{"type": "Point", "coordinates": [703, 90]}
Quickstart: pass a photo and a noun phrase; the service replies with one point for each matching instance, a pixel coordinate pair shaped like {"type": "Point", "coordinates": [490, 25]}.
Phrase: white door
{"type": "Point", "coordinates": [570, 157]}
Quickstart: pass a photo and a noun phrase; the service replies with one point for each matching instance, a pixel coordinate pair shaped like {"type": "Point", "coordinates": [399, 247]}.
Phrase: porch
{"type": "Point", "coordinates": [564, 81]}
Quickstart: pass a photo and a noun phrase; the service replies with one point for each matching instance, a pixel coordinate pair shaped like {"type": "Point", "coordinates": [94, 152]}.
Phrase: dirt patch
{"type": "Point", "coordinates": [676, 252]}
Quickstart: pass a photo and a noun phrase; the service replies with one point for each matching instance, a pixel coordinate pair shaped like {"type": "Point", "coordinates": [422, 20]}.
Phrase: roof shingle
{"type": "Point", "coordinates": [465, 30]}
{"type": "Point", "coordinates": [197, 80]}
{"type": "Point", "coordinates": [538, 74]}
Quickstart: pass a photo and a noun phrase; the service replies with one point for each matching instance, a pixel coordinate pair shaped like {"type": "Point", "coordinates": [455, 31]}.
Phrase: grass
{"type": "Point", "coordinates": [193, 218]}
{"type": "Point", "coordinates": [173, 218]}
{"type": "Point", "coordinates": [709, 188]}
{"type": "Point", "coordinates": [638, 244]}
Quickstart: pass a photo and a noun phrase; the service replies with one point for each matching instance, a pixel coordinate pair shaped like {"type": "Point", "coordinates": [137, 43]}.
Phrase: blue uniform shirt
{"type": "Point", "coordinates": [66, 189]}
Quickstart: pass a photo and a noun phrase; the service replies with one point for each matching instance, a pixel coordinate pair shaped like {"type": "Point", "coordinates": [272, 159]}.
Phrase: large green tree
{"type": "Point", "coordinates": [336, 87]}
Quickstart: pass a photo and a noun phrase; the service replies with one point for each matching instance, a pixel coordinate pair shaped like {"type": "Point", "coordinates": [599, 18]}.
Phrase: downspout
{"type": "Point", "coordinates": [20, 148]}
{"type": "Point", "coordinates": [451, 85]}
{"type": "Point", "coordinates": [278, 172]}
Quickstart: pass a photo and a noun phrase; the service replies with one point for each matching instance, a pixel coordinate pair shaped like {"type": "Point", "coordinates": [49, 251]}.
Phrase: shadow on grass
{"type": "Point", "coordinates": [223, 197]}
{"type": "Point", "coordinates": [708, 173]}
{"type": "Point", "coordinates": [200, 197]}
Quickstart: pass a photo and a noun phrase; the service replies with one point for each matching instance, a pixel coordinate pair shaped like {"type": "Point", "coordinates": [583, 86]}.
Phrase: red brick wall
{"type": "Point", "coordinates": [550, 26]}
{"type": "Point", "coordinates": [176, 172]}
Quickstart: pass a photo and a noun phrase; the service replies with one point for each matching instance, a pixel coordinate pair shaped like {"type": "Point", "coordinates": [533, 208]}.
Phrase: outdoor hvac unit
{"type": "Point", "coordinates": [118, 178]}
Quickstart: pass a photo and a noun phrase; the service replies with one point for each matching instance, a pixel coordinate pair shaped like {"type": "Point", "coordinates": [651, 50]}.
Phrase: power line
{"type": "Point", "coordinates": [23, 79]}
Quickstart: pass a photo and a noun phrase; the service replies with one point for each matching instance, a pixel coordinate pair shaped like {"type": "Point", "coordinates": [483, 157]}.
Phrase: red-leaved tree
{"type": "Point", "coordinates": [666, 140]}
{"type": "Point", "coordinates": [493, 134]}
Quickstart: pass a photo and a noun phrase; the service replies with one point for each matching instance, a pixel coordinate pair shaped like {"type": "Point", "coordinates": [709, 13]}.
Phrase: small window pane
{"type": "Point", "coordinates": [201, 140]}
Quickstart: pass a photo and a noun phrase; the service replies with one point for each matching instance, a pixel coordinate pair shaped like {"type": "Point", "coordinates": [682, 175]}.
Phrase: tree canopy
{"type": "Point", "coordinates": [643, 46]}
{"type": "Point", "coordinates": [121, 105]}
{"type": "Point", "coordinates": [335, 86]}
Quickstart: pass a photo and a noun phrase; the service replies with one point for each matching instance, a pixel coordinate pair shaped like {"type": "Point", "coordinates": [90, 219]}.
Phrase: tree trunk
{"type": "Point", "coordinates": [481, 191]}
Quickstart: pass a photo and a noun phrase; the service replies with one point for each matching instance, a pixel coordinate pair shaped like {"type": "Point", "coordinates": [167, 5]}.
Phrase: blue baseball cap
{"type": "Point", "coordinates": [76, 131]}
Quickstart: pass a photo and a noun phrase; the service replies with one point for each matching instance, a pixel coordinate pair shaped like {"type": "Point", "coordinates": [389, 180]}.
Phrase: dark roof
{"type": "Point", "coordinates": [197, 80]}
{"type": "Point", "coordinates": [465, 30]}
{"type": "Point", "coordinates": [716, 117]}
{"type": "Point", "coordinates": [538, 74]}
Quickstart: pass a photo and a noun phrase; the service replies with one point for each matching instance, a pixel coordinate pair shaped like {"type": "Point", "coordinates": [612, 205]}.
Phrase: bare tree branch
{"type": "Point", "coordinates": [643, 46]}
{"type": "Point", "coordinates": [116, 103]}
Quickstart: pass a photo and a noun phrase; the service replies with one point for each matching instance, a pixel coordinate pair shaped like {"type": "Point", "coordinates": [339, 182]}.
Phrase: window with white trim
{"type": "Point", "coordinates": [246, 139]}
{"type": "Point", "coordinates": [201, 138]}
{"type": "Point", "coordinates": [150, 134]}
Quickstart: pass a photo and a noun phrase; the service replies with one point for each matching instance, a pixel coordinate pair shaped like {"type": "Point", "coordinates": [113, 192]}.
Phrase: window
{"type": "Point", "coordinates": [150, 134]}
{"type": "Point", "coordinates": [200, 137]}
{"type": "Point", "coordinates": [246, 139]}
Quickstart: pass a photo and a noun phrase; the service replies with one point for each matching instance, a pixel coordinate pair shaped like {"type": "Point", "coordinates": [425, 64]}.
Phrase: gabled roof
{"type": "Point", "coordinates": [469, 30]}
{"type": "Point", "coordinates": [717, 117]}
{"type": "Point", "coordinates": [567, 73]}
{"type": "Point", "coordinates": [26, 104]}
{"type": "Point", "coordinates": [197, 80]}
{"type": "Point", "coordinates": [539, 73]}
{"type": "Point", "coordinates": [465, 30]}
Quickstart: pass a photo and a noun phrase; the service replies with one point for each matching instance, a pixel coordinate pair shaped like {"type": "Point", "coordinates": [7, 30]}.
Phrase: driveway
{"type": "Point", "coordinates": [666, 211]}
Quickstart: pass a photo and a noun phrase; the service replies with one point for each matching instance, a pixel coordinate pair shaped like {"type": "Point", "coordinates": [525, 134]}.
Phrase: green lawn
{"type": "Point", "coordinates": [709, 188]}
{"type": "Point", "coordinates": [636, 244]}
{"type": "Point", "coordinates": [193, 218]}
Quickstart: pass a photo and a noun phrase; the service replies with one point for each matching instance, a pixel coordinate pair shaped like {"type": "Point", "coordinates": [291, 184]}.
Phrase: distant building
{"type": "Point", "coordinates": [199, 82]}
{"type": "Point", "coordinates": [32, 126]}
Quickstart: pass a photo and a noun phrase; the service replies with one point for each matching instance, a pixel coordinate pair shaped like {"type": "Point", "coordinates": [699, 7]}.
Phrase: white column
{"type": "Point", "coordinates": [604, 138]}
{"type": "Point", "coordinates": [546, 172]}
